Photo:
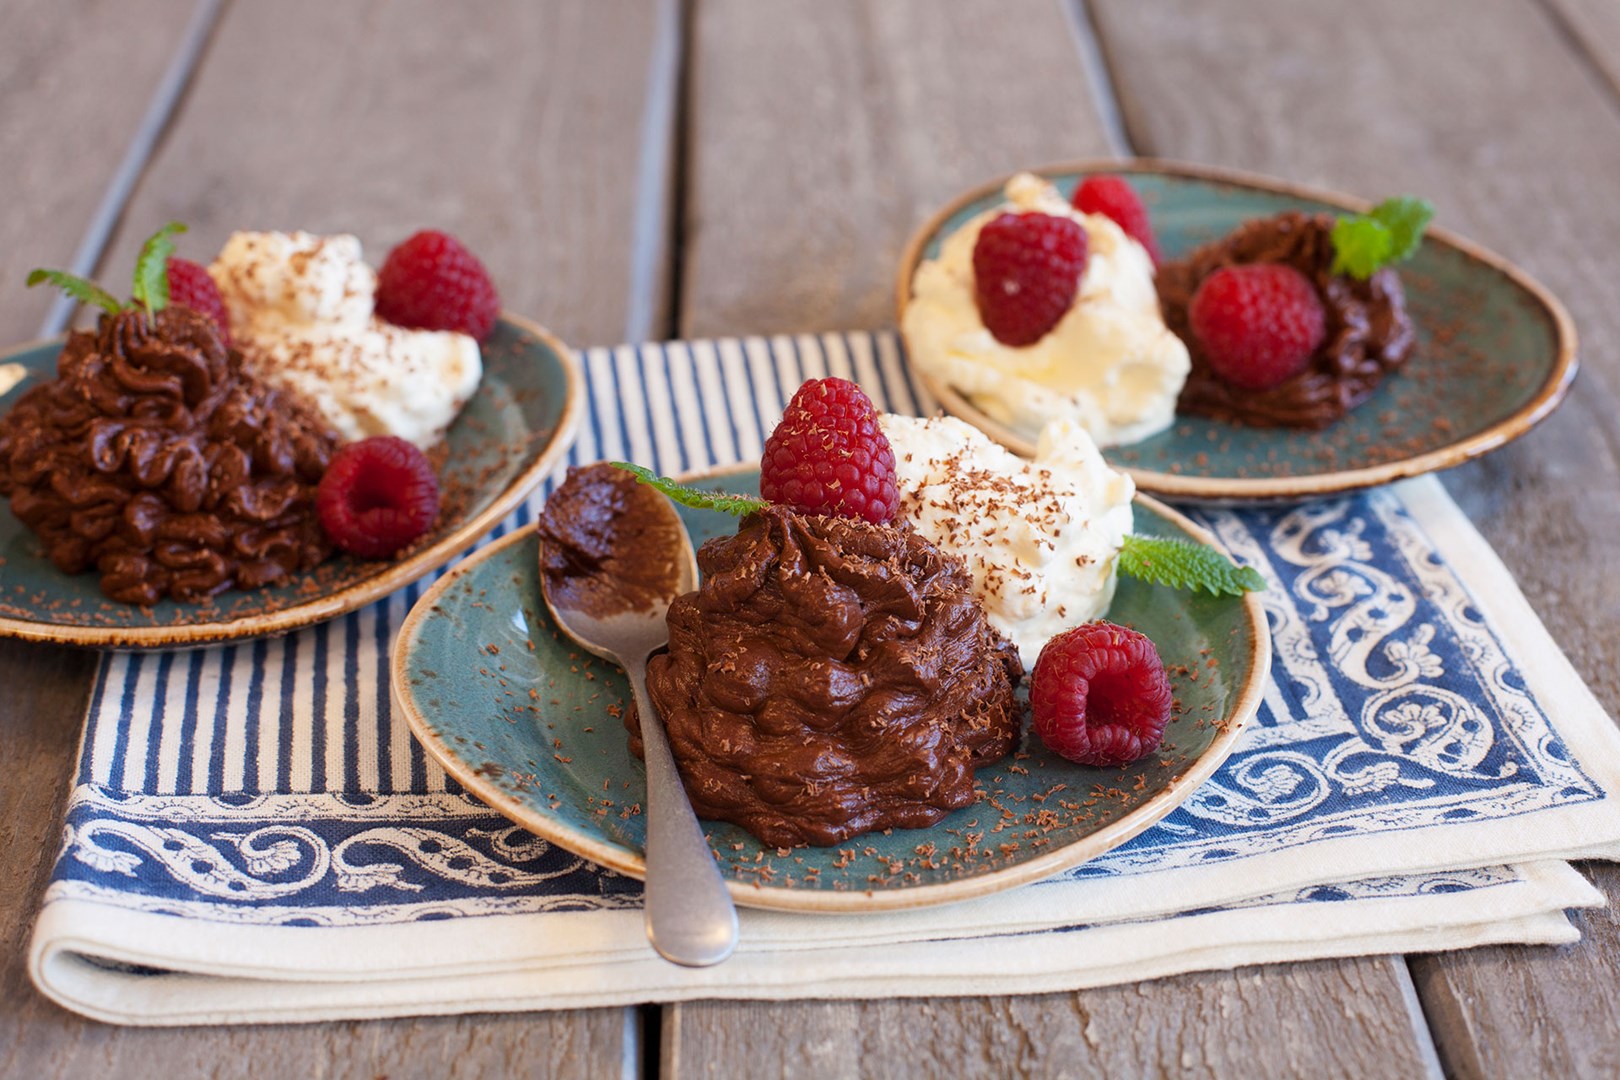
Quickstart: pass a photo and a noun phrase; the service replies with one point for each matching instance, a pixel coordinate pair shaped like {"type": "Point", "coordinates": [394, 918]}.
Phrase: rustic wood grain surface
{"type": "Point", "coordinates": [719, 166]}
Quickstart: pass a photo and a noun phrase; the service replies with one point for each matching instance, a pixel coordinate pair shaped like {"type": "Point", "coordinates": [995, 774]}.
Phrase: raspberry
{"type": "Point", "coordinates": [191, 286]}
{"type": "Point", "coordinates": [1258, 324]}
{"type": "Point", "coordinates": [1113, 198]}
{"type": "Point", "coordinates": [828, 455]}
{"type": "Point", "coordinates": [1100, 695]}
{"type": "Point", "coordinates": [432, 282]}
{"type": "Point", "coordinates": [378, 495]}
{"type": "Point", "coordinates": [1026, 272]}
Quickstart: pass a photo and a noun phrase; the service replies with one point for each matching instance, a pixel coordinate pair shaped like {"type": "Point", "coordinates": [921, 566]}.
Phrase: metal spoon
{"type": "Point", "coordinates": [690, 917]}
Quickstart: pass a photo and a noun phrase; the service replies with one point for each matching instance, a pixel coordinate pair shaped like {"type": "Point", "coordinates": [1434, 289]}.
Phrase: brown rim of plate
{"type": "Point", "coordinates": [614, 857]}
{"type": "Point", "coordinates": [1171, 485]}
{"type": "Point", "coordinates": [350, 598]}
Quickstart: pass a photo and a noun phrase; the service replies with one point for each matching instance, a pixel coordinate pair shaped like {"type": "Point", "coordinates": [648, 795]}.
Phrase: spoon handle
{"type": "Point", "coordinates": [690, 917]}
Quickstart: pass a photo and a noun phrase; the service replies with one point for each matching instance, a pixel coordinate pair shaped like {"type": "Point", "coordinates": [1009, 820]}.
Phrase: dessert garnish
{"type": "Point", "coordinates": [1387, 234]}
{"type": "Point", "coordinates": [1366, 332]}
{"type": "Point", "coordinates": [303, 312]}
{"type": "Point", "coordinates": [1100, 696]}
{"type": "Point", "coordinates": [150, 291]}
{"type": "Point", "coordinates": [1026, 272]}
{"type": "Point", "coordinates": [1114, 198]}
{"type": "Point", "coordinates": [1258, 324]}
{"type": "Point", "coordinates": [831, 677]}
{"type": "Point", "coordinates": [158, 459]}
{"type": "Point", "coordinates": [828, 456]}
{"type": "Point", "coordinates": [377, 497]}
{"type": "Point", "coordinates": [191, 286]}
{"type": "Point", "coordinates": [1031, 331]}
{"type": "Point", "coordinates": [1039, 537]}
{"type": "Point", "coordinates": [723, 501]}
{"type": "Point", "coordinates": [1182, 564]}
{"type": "Point", "coordinates": [606, 545]}
{"type": "Point", "coordinates": [431, 281]}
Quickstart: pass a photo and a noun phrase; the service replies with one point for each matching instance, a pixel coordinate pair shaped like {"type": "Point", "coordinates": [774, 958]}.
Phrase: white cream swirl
{"type": "Point", "coordinates": [1040, 537]}
{"type": "Point", "coordinates": [1109, 365]}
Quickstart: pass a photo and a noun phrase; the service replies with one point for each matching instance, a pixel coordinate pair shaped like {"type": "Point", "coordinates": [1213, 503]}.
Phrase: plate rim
{"type": "Point", "coordinates": [350, 598]}
{"type": "Point", "coordinates": [749, 894]}
{"type": "Point", "coordinates": [1244, 489]}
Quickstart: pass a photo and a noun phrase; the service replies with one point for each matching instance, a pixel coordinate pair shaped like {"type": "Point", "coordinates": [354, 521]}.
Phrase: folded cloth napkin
{"type": "Point", "coordinates": [253, 835]}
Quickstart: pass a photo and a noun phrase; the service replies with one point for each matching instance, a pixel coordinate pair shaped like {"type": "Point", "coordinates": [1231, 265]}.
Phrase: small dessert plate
{"type": "Point", "coordinates": [533, 725]}
{"type": "Point", "coordinates": [511, 434]}
{"type": "Point", "coordinates": [1495, 352]}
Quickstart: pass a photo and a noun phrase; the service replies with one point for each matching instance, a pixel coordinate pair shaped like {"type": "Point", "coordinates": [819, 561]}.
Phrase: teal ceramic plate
{"type": "Point", "coordinates": [532, 724]}
{"type": "Point", "coordinates": [1495, 352]}
{"type": "Point", "coordinates": [509, 436]}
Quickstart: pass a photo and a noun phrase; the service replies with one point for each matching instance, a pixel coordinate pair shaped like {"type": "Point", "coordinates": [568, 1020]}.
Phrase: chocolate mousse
{"type": "Point", "coordinates": [831, 677]}
{"type": "Point", "coordinates": [609, 543]}
{"type": "Point", "coordinates": [1368, 331]}
{"type": "Point", "coordinates": [155, 458]}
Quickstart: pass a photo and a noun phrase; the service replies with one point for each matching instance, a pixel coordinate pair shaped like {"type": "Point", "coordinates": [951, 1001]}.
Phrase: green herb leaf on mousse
{"type": "Point", "coordinates": [152, 269]}
{"type": "Point", "coordinates": [1390, 233]}
{"type": "Point", "coordinates": [85, 292]}
{"type": "Point", "coordinates": [736, 505]}
{"type": "Point", "coordinates": [1182, 565]}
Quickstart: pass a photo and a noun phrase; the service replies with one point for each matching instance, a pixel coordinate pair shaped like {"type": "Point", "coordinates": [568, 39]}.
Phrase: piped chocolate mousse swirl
{"type": "Point", "coordinates": [1368, 331]}
{"type": "Point", "coordinates": [831, 677]}
{"type": "Point", "coordinates": [154, 458]}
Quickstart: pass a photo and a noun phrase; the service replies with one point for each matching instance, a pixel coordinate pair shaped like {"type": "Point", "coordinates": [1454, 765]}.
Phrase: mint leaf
{"type": "Point", "coordinates": [1391, 233]}
{"type": "Point", "coordinates": [85, 292]}
{"type": "Point", "coordinates": [1183, 565]}
{"type": "Point", "coordinates": [1405, 216]}
{"type": "Point", "coordinates": [1360, 246]}
{"type": "Point", "coordinates": [152, 269]}
{"type": "Point", "coordinates": [736, 505]}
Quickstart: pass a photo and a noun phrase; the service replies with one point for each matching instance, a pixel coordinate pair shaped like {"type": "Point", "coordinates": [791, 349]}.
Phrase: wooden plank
{"type": "Point", "coordinates": [516, 126]}
{"type": "Point", "coordinates": [1485, 107]}
{"type": "Point", "coordinates": [817, 143]}
{"type": "Point", "coordinates": [63, 135]}
{"type": "Point", "coordinates": [1341, 1018]}
{"type": "Point", "coordinates": [1593, 29]}
{"type": "Point", "coordinates": [819, 140]}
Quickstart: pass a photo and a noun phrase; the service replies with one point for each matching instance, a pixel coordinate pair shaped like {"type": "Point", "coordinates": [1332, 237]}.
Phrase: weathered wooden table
{"type": "Point", "coordinates": [642, 168]}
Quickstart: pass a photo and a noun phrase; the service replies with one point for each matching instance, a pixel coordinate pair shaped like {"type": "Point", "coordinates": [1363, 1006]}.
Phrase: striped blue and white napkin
{"type": "Point", "coordinates": [254, 836]}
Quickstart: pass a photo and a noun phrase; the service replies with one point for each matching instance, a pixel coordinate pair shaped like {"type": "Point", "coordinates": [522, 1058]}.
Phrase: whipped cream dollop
{"type": "Point", "coordinates": [1040, 538]}
{"type": "Point", "coordinates": [301, 313]}
{"type": "Point", "coordinates": [1110, 364]}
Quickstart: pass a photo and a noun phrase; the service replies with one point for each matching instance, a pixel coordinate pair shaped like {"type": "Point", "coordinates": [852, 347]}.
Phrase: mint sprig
{"type": "Point", "coordinates": [151, 277]}
{"type": "Point", "coordinates": [152, 269]}
{"type": "Point", "coordinates": [85, 292]}
{"type": "Point", "coordinates": [726, 503]}
{"type": "Point", "coordinates": [1183, 565]}
{"type": "Point", "coordinates": [1389, 233]}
